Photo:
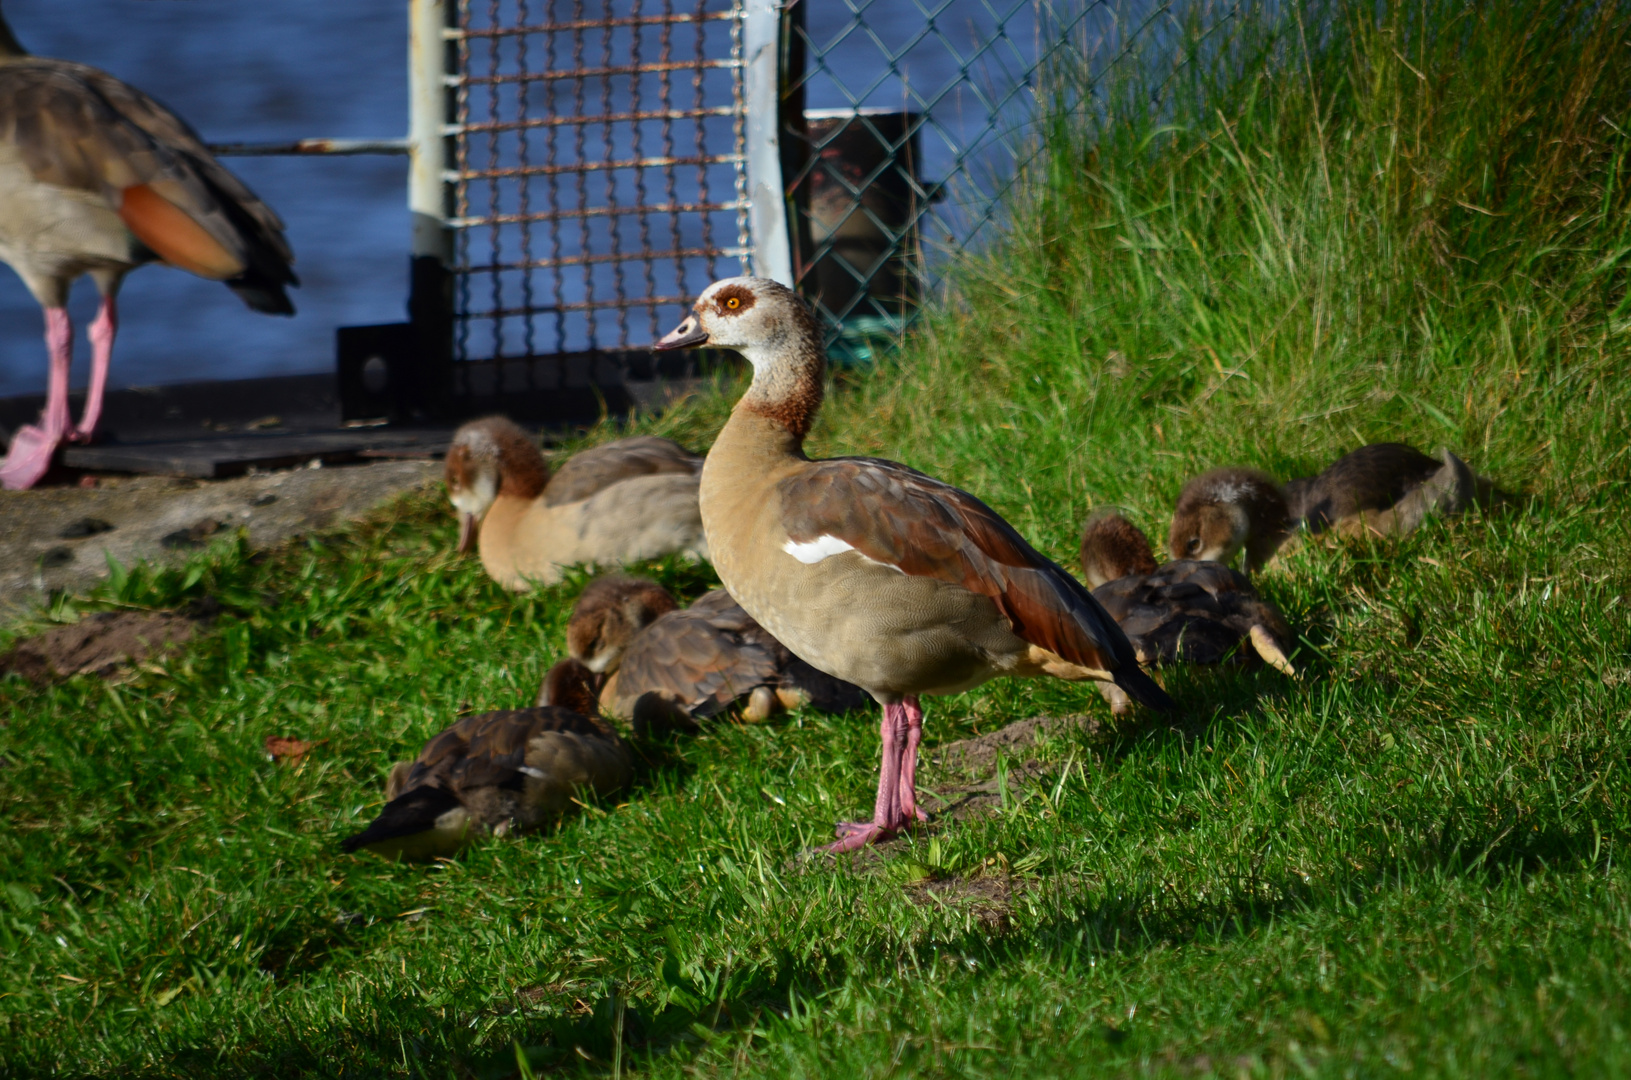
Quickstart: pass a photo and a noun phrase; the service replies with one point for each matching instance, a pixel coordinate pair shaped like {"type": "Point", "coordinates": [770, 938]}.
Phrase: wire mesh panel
{"type": "Point", "coordinates": [919, 116]}
{"type": "Point", "coordinates": [599, 175]}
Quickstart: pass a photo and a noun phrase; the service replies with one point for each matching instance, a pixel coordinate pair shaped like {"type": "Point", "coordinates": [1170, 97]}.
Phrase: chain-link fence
{"type": "Point", "coordinates": [599, 174]}
{"type": "Point", "coordinates": [610, 159]}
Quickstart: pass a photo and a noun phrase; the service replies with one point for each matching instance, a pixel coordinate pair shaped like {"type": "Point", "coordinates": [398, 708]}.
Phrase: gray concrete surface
{"type": "Point", "coordinates": [39, 552]}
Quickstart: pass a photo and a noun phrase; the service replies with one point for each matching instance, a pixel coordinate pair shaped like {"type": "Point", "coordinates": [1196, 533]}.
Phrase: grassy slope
{"type": "Point", "coordinates": [1407, 860]}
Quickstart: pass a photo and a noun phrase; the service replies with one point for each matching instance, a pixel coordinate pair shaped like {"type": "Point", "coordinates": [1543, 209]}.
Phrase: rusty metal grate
{"type": "Point", "coordinates": [598, 172]}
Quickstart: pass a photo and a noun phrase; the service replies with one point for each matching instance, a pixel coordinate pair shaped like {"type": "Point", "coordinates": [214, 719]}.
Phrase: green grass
{"type": "Point", "coordinates": [1407, 860]}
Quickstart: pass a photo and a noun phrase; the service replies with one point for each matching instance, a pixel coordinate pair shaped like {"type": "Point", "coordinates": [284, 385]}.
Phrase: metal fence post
{"type": "Point", "coordinates": [761, 90]}
{"type": "Point", "coordinates": [431, 59]}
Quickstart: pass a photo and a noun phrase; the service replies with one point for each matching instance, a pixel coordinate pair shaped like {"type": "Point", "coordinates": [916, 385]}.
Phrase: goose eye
{"type": "Point", "coordinates": [733, 303]}
{"type": "Point", "coordinates": [1194, 544]}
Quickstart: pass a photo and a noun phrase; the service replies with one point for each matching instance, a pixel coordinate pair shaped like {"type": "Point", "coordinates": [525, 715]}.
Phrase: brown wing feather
{"type": "Point", "coordinates": [81, 128]}
{"type": "Point", "coordinates": [600, 467]}
{"type": "Point", "coordinates": [921, 526]}
{"type": "Point", "coordinates": [488, 749]}
{"type": "Point", "coordinates": [690, 660]}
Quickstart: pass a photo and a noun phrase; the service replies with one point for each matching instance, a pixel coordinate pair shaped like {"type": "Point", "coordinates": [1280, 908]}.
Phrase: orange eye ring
{"type": "Point", "coordinates": [733, 303]}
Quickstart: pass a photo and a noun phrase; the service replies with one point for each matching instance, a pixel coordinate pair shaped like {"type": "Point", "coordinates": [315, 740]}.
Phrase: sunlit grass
{"type": "Point", "coordinates": [1406, 860]}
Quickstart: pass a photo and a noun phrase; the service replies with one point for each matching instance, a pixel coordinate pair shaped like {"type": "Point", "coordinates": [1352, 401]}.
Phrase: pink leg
{"type": "Point", "coordinates": [886, 815]}
{"type": "Point", "coordinates": [32, 447]}
{"type": "Point", "coordinates": [101, 334]}
{"type": "Point", "coordinates": [909, 809]}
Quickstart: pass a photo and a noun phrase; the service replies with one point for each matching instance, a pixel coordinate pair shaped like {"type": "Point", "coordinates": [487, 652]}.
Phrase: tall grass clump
{"type": "Point", "coordinates": [1290, 231]}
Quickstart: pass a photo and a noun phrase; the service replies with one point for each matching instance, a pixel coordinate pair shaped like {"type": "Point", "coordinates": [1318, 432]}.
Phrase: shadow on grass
{"type": "Point", "coordinates": [688, 1006]}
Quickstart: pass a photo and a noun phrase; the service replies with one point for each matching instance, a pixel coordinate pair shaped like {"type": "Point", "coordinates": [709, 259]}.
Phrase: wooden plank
{"type": "Point", "coordinates": [212, 458]}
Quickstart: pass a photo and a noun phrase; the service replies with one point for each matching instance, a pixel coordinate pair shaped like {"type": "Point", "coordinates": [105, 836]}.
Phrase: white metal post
{"type": "Point", "coordinates": [427, 127]}
{"type": "Point", "coordinates": [767, 194]}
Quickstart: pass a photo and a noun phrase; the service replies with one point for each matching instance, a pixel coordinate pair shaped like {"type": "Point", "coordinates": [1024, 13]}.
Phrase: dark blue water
{"type": "Point", "coordinates": [301, 68]}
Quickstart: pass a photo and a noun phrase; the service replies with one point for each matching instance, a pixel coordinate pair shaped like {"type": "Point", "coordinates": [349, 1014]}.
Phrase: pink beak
{"type": "Point", "coordinates": [683, 336]}
{"type": "Point", "coordinates": [467, 532]}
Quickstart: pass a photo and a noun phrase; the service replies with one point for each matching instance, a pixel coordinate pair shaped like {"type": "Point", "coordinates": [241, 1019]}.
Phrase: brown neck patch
{"type": "Point", "coordinates": [789, 393]}
{"type": "Point", "coordinates": [794, 408]}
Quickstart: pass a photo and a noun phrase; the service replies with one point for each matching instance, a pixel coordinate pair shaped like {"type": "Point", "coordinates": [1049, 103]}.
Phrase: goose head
{"type": "Point", "coordinates": [489, 458]}
{"type": "Point", "coordinates": [1112, 548]}
{"type": "Point", "coordinates": [1222, 512]}
{"type": "Point", "coordinates": [755, 316]}
{"type": "Point", "coordinates": [774, 331]}
{"type": "Point", "coordinates": [610, 611]}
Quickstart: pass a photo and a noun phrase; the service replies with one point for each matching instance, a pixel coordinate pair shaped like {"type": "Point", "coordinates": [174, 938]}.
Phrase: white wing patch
{"type": "Point", "coordinates": [811, 552]}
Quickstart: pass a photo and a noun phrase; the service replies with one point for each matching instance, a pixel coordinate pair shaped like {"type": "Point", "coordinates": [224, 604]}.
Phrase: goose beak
{"type": "Point", "coordinates": [467, 533]}
{"type": "Point", "coordinates": [683, 336]}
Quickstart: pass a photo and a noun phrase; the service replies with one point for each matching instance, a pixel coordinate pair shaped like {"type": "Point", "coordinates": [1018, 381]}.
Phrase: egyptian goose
{"type": "Point", "coordinates": [1185, 611]}
{"type": "Point", "coordinates": [693, 663]}
{"type": "Point", "coordinates": [1226, 511]}
{"type": "Point", "coordinates": [498, 482]}
{"type": "Point", "coordinates": [870, 571]}
{"type": "Point", "coordinates": [493, 774]}
{"type": "Point", "coordinates": [98, 178]}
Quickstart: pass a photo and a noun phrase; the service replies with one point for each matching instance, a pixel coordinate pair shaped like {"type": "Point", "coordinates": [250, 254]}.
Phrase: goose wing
{"type": "Point", "coordinates": [923, 527]}
{"type": "Point", "coordinates": [79, 128]}
{"type": "Point", "coordinates": [600, 467]}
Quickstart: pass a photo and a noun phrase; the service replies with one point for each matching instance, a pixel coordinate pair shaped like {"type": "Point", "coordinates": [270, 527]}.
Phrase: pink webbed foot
{"type": "Point", "coordinates": [29, 458]}
{"type": "Point", "coordinates": [855, 835]}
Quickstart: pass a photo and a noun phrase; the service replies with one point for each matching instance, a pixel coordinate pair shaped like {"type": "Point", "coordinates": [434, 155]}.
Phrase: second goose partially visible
{"type": "Point", "coordinates": [623, 506]}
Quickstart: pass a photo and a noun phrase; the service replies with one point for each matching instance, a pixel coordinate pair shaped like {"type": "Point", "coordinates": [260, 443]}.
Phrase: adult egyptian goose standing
{"type": "Point", "coordinates": [1184, 611]}
{"type": "Point", "coordinates": [496, 773]}
{"type": "Point", "coordinates": [500, 485]}
{"type": "Point", "coordinates": [868, 570]}
{"type": "Point", "coordinates": [98, 178]}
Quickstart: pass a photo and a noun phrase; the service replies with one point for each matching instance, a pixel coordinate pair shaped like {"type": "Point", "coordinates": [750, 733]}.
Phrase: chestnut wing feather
{"type": "Point", "coordinates": [923, 527]}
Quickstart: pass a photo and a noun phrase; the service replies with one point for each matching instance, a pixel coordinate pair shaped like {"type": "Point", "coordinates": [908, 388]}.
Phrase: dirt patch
{"type": "Point", "coordinates": [978, 756]}
{"type": "Point", "coordinates": [988, 897]}
{"type": "Point", "coordinates": [99, 644]}
{"type": "Point", "coordinates": [55, 539]}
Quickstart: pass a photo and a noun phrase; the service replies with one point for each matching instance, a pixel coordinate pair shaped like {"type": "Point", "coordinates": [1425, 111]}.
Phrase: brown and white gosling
{"type": "Point", "coordinates": [609, 613]}
{"type": "Point", "coordinates": [870, 571]}
{"type": "Point", "coordinates": [1225, 512]}
{"type": "Point", "coordinates": [494, 774]}
{"type": "Point", "coordinates": [667, 667]}
{"type": "Point", "coordinates": [1385, 489]}
{"type": "Point", "coordinates": [1184, 611]}
{"type": "Point", "coordinates": [624, 506]}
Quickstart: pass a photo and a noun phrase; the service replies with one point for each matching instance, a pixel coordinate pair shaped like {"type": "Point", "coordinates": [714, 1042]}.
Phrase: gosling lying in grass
{"type": "Point", "coordinates": [494, 774]}
{"type": "Point", "coordinates": [1383, 489]}
{"type": "Point", "coordinates": [667, 667]}
{"type": "Point", "coordinates": [1186, 611]}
